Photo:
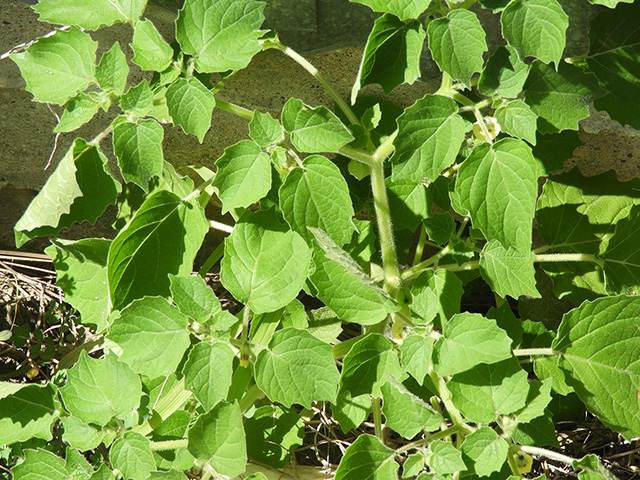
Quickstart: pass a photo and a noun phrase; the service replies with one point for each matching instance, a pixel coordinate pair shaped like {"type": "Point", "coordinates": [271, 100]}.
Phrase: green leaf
{"type": "Point", "coordinates": [163, 227]}
{"type": "Point", "coordinates": [485, 392]}
{"type": "Point", "coordinates": [221, 35]}
{"type": "Point", "coordinates": [416, 352]}
{"type": "Point", "coordinates": [536, 28]}
{"type": "Point", "coordinates": [367, 458]}
{"type": "Point", "coordinates": [486, 449]}
{"type": "Point", "coordinates": [218, 437]}
{"type": "Point", "coordinates": [152, 334]}
{"type": "Point", "coordinates": [518, 120]}
{"type": "Point", "coordinates": [409, 203]}
{"type": "Point", "coordinates": [391, 56]}
{"type": "Point", "coordinates": [445, 458]}
{"type": "Point", "coordinates": [112, 71]}
{"type": "Point", "coordinates": [457, 43]}
{"type": "Point", "coordinates": [190, 105]}
{"type": "Point", "coordinates": [406, 413]}
{"type": "Point", "coordinates": [28, 412]}
{"type": "Point", "coordinates": [600, 350]}
{"type": "Point", "coordinates": [207, 372]}
{"type": "Point", "coordinates": [622, 255]}
{"type": "Point", "coordinates": [469, 339]}
{"type": "Point", "coordinates": [102, 12]}
{"type": "Point", "coordinates": [98, 390]}
{"type": "Point", "coordinates": [138, 100]}
{"type": "Point", "coordinates": [77, 466]}
{"type": "Point", "coordinates": [504, 74]}
{"type": "Point", "coordinates": [167, 475]}
{"type": "Point", "coordinates": [366, 364]}
{"type": "Point", "coordinates": [40, 465]}
{"type": "Point", "coordinates": [131, 454]}
{"type": "Point", "coordinates": [81, 435]}
{"type": "Point", "coordinates": [81, 268]}
{"type": "Point", "coordinates": [436, 296]}
{"type": "Point", "coordinates": [351, 411]}
{"type": "Point", "coordinates": [138, 147]}
{"type": "Point", "coordinates": [440, 228]}
{"type": "Point", "coordinates": [56, 68]}
{"type": "Point", "coordinates": [317, 195]}
{"type": "Point", "coordinates": [591, 468]}
{"type": "Point", "coordinates": [430, 133]}
{"type": "Point", "coordinates": [612, 57]}
{"type": "Point", "coordinates": [313, 129]}
{"type": "Point", "coordinates": [79, 110]}
{"type": "Point", "coordinates": [265, 130]}
{"type": "Point", "coordinates": [609, 3]}
{"type": "Point", "coordinates": [403, 9]}
{"type": "Point", "coordinates": [497, 186]}
{"type": "Point", "coordinates": [194, 297]}
{"type": "Point", "coordinates": [80, 189]}
{"type": "Point", "coordinates": [297, 368]}
{"type": "Point", "coordinates": [244, 175]}
{"type": "Point", "coordinates": [560, 97]}
{"type": "Point", "coordinates": [537, 400]}
{"type": "Point", "coordinates": [540, 431]}
{"type": "Point", "coordinates": [508, 271]}
{"type": "Point", "coordinates": [151, 51]}
{"type": "Point", "coordinates": [264, 264]}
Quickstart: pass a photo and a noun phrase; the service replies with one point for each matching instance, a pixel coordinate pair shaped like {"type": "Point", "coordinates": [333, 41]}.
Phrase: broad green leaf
{"type": "Point", "coordinates": [28, 412]}
{"type": "Point", "coordinates": [102, 12]}
{"type": "Point", "coordinates": [152, 334]}
{"type": "Point", "coordinates": [244, 175]}
{"type": "Point", "coordinates": [553, 150]}
{"type": "Point", "coordinates": [609, 3]}
{"type": "Point", "coordinates": [137, 101]}
{"type": "Point", "coordinates": [540, 431]}
{"type": "Point", "coordinates": [457, 43]}
{"type": "Point", "coordinates": [406, 413]}
{"type": "Point", "coordinates": [469, 339]}
{"type": "Point", "coordinates": [163, 227]}
{"type": "Point", "coordinates": [409, 203]}
{"type": "Point", "coordinates": [57, 67]}
{"type": "Point", "coordinates": [591, 468]}
{"type": "Point", "coordinates": [314, 129]}
{"type": "Point", "coordinates": [81, 269]}
{"type": "Point", "coordinates": [485, 392]}
{"type": "Point", "coordinates": [436, 296]}
{"type": "Point", "coordinates": [486, 449]}
{"type": "Point", "coordinates": [79, 189]}
{"type": "Point", "coordinates": [391, 56]}
{"type": "Point", "coordinates": [138, 147]}
{"type": "Point", "coordinates": [79, 110]}
{"type": "Point", "coordinates": [612, 57]}
{"type": "Point", "coordinates": [77, 466]}
{"type": "Point", "coordinates": [272, 434]}
{"type": "Point", "coordinates": [98, 390]}
{"type": "Point", "coordinates": [40, 465]}
{"type": "Point", "coordinates": [445, 458]}
{"type": "Point", "coordinates": [414, 464]}
{"type": "Point", "coordinates": [440, 228]}
{"type": "Point", "coordinates": [508, 271]}
{"type": "Point", "coordinates": [221, 35]}
{"type": "Point", "coordinates": [81, 435]}
{"type": "Point", "coordinates": [366, 364]}
{"type": "Point", "coordinates": [207, 372]}
{"type": "Point", "coordinates": [497, 186]}
{"type": "Point", "coordinates": [536, 28]}
{"type": "Point", "coordinates": [112, 71]}
{"type": "Point", "coordinates": [167, 475]}
{"type": "Point", "coordinates": [403, 9]}
{"type": "Point", "coordinates": [367, 458]}
{"type": "Point", "coordinates": [351, 411]}
{"type": "Point", "coordinates": [504, 74]}
{"type": "Point", "coordinates": [416, 352]}
{"type": "Point", "coordinates": [194, 297]}
{"type": "Point", "coordinates": [317, 195]}
{"type": "Point", "coordinates": [430, 133]}
{"type": "Point", "coordinates": [103, 473]}
{"type": "Point", "coordinates": [622, 255]}
{"type": "Point", "coordinates": [151, 51]}
{"type": "Point", "coordinates": [265, 265]}
{"type": "Point", "coordinates": [518, 120]}
{"type": "Point", "coordinates": [600, 350]}
{"type": "Point", "coordinates": [265, 130]}
{"type": "Point", "coordinates": [131, 454]}
{"type": "Point", "coordinates": [297, 368]}
{"type": "Point", "coordinates": [190, 105]}
{"type": "Point", "coordinates": [537, 400]}
{"type": "Point", "coordinates": [560, 97]}
{"type": "Point", "coordinates": [218, 437]}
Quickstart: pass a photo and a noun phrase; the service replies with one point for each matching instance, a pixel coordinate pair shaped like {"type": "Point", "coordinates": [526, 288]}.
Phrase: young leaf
{"type": "Point", "coordinates": [244, 175]}
{"type": "Point", "coordinates": [368, 458]}
{"type": "Point", "coordinates": [600, 350]}
{"type": "Point", "coordinates": [314, 129]}
{"type": "Point", "coordinates": [317, 195]}
{"type": "Point", "coordinates": [194, 297]}
{"type": "Point", "coordinates": [469, 339]}
{"type": "Point", "coordinates": [57, 67]}
{"type": "Point", "coordinates": [430, 133]}
{"type": "Point", "coordinates": [79, 110]}
{"type": "Point", "coordinates": [457, 43]}
{"type": "Point", "coordinates": [504, 74]}
{"type": "Point", "coordinates": [221, 35]}
{"type": "Point", "coordinates": [98, 390]}
{"type": "Point", "coordinates": [518, 120]}
{"type": "Point", "coordinates": [131, 454]}
{"type": "Point", "coordinates": [151, 51]}
{"type": "Point", "coordinates": [416, 353]}
{"type": "Point", "coordinates": [440, 228]}
{"type": "Point", "coordinates": [28, 412]}
{"type": "Point", "coordinates": [445, 458]}
{"type": "Point", "coordinates": [190, 105]}
{"type": "Point", "coordinates": [138, 147]}
{"type": "Point", "coordinates": [77, 466]}
{"type": "Point", "coordinates": [391, 56]}
{"type": "Point", "coordinates": [537, 400]}
{"type": "Point", "coordinates": [138, 100]}
{"type": "Point", "coordinates": [508, 271]}
{"type": "Point", "coordinates": [351, 411]}
{"type": "Point", "coordinates": [403, 9]}
{"type": "Point", "coordinates": [265, 265]}
{"type": "Point", "coordinates": [409, 203]}
{"type": "Point", "coordinates": [102, 12]}
{"type": "Point", "coordinates": [81, 435]}
{"type": "Point", "coordinates": [486, 449]}
{"type": "Point", "coordinates": [405, 413]}
{"type": "Point", "coordinates": [218, 437]}
{"type": "Point", "coordinates": [265, 130]}
{"type": "Point", "coordinates": [436, 296]}
{"type": "Point", "coordinates": [112, 71]}
{"type": "Point", "coordinates": [40, 464]}
{"type": "Point", "coordinates": [297, 368]}
{"type": "Point", "coordinates": [207, 372]}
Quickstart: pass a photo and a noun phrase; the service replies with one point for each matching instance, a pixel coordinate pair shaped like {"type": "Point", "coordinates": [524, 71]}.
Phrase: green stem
{"type": "Point", "coordinates": [235, 109]}
{"type": "Point", "coordinates": [357, 155]}
{"type": "Point", "coordinates": [341, 349]}
{"type": "Point", "coordinates": [386, 147]}
{"type": "Point", "coordinates": [420, 247]}
{"type": "Point", "coordinates": [541, 452]}
{"type": "Point", "coordinates": [525, 352]}
{"type": "Point", "coordinates": [211, 260]}
{"type": "Point", "coordinates": [567, 257]}
{"type": "Point", "coordinates": [430, 438]}
{"type": "Point", "coordinates": [169, 445]}
{"type": "Point", "coordinates": [377, 416]}
{"type": "Point", "coordinates": [465, 5]}
{"type": "Point", "coordinates": [223, 227]}
{"type": "Point", "coordinates": [483, 126]}
{"type": "Point", "coordinates": [249, 398]}
{"type": "Point", "coordinates": [446, 397]}
{"type": "Point", "coordinates": [512, 464]}
{"type": "Point", "coordinates": [416, 270]}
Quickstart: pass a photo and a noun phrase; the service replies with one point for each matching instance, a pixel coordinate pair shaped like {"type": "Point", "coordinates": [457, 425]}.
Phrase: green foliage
{"type": "Point", "coordinates": [383, 218]}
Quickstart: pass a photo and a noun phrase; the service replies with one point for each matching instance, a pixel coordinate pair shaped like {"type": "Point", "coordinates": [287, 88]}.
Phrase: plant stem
{"type": "Point", "coordinates": [512, 464]}
{"type": "Point", "coordinates": [525, 352]}
{"type": "Point", "coordinates": [249, 398]}
{"type": "Point", "coordinates": [420, 247]}
{"type": "Point", "coordinates": [422, 266]}
{"type": "Point", "coordinates": [429, 438]}
{"type": "Point", "coordinates": [357, 155]}
{"type": "Point", "coordinates": [211, 260]}
{"type": "Point", "coordinates": [223, 227]}
{"type": "Point", "coordinates": [169, 445]}
{"type": "Point", "coordinates": [445, 396]}
{"type": "Point", "coordinates": [235, 109]}
{"type": "Point", "coordinates": [377, 416]}
{"type": "Point", "coordinates": [566, 257]}
{"type": "Point", "coordinates": [542, 452]}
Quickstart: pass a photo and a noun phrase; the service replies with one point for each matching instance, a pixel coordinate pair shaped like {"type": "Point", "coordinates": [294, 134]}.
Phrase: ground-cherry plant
{"type": "Point", "coordinates": [359, 231]}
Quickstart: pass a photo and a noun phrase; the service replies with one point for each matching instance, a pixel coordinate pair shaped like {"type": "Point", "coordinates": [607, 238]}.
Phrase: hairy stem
{"type": "Point", "coordinates": [235, 109]}
{"type": "Point", "coordinates": [377, 416]}
{"type": "Point", "coordinates": [542, 452]}
{"type": "Point", "coordinates": [525, 352]}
